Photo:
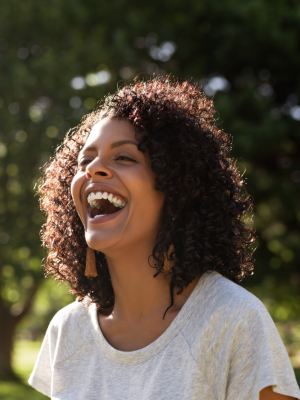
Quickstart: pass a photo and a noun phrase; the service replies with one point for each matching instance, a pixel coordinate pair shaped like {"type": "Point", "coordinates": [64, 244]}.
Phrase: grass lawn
{"type": "Point", "coordinates": [24, 357]}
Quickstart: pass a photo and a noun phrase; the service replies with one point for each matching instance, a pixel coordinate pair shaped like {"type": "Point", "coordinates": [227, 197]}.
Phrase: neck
{"type": "Point", "coordinates": [138, 294]}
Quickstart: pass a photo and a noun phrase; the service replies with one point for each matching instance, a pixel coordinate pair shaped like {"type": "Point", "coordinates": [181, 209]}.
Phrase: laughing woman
{"type": "Point", "coordinates": [144, 213]}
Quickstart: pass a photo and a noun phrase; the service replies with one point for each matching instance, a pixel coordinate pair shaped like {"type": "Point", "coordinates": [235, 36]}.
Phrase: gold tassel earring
{"type": "Point", "coordinates": [90, 265]}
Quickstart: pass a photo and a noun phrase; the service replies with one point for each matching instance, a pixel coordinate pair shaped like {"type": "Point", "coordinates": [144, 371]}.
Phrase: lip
{"type": "Point", "coordinates": [94, 187]}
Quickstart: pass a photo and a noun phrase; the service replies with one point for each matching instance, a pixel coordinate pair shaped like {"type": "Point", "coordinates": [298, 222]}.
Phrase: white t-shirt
{"type": "Point", "coordinates": [222, 345]}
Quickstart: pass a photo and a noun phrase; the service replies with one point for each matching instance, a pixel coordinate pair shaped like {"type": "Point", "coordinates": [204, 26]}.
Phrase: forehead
{"type": "Point", "coordinates": [109, 130]}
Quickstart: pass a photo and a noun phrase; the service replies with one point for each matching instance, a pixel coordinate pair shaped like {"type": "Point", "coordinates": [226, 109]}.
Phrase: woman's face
{"type": "Point", "coordinates": [114, 189]}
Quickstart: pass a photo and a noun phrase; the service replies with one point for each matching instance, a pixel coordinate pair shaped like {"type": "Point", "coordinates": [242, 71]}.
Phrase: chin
{"type": "Point", "coordinates": [100, 242]}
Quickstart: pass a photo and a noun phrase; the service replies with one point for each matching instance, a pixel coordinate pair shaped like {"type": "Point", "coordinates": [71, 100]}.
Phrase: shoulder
{"type": "Point", "coordinates": [220, 293]}
{"type": "Point", "coordinates": [235, 342]}
{"type": "Point", "coordinates": [69, 329]}
{"type": "Point", "coordinates": [223, 307]}
{"type": "Point", "coordinates": [70, 313]}
{"type": "Point", "coordinates": [217, 292]}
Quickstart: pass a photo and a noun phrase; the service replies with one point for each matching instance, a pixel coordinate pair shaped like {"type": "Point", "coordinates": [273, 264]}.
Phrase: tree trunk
{"type": "Point", "coordinates": [8, 324]}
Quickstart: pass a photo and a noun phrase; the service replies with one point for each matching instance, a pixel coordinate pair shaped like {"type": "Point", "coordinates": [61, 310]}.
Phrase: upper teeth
{"type": "Point", "coordinates": [104, 195]}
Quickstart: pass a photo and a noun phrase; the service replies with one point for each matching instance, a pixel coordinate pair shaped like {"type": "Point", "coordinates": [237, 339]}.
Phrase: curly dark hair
{"type": "Point", "coordinates": [205, 200]}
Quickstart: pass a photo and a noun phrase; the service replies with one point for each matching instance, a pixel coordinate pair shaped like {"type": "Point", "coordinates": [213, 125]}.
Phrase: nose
{"type": "Point", "coordinates": [96, 168]}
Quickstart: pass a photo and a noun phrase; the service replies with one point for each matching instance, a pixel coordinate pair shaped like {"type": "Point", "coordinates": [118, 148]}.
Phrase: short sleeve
{"type": "Point", "coordinates": [258, 359]}
{"type": "Point", "coordinates": [41, 376]}
{"type": "Point", "coordinates": [67, 331]}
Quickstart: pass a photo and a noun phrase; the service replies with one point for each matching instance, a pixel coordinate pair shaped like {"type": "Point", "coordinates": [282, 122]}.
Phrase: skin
{"type": "Point", "coordinates": [135, 321]}
{"type": "Point", "coordinates": [128, 240]}
{"type": "Point", "coordinates": [268, 394]}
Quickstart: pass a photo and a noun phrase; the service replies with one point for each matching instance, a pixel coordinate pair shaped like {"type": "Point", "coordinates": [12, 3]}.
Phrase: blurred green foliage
{"type": "Point", "coordinates": [56, 61]}
{"type": "Point", "coordinates": [24, 356]}
{"type": "Point", "coordinates": [50, 297]}
{"type": "Point", "coordinates": [19, 391]}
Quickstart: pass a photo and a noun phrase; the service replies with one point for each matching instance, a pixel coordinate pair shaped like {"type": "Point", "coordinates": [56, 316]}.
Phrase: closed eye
{"type": "Point", "coordinates": [82, 163]}
{"type": "Point", "coordinates": [124, 158]}
{"type": "Point", "coordinates": [86, 161]}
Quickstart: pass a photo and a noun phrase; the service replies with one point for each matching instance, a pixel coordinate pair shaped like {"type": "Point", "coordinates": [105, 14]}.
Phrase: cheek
{"type": "Point", "coordinates": [148, 200]}
{"type": "Point", "coordinates": [76, 187]}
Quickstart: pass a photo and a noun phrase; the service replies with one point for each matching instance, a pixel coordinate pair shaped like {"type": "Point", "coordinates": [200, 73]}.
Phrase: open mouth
{"type": "Point", "coordinates": [101, 204]}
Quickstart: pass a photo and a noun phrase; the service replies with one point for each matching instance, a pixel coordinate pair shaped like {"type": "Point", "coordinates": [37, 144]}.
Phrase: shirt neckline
{"type": "Point", "coordinates": [141, 355]}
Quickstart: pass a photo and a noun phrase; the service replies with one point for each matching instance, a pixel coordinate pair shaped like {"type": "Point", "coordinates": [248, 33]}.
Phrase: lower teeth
{"type": "Point", "coordinates": [99, 216]}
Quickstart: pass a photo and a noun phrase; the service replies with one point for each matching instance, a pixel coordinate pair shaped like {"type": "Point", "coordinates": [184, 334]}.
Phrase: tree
{"type": "Point", "coordinates": [58, 59]}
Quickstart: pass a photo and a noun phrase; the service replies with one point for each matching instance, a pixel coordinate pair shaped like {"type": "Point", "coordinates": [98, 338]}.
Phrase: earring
{"type": "Point", "coordinates": [90, 265]}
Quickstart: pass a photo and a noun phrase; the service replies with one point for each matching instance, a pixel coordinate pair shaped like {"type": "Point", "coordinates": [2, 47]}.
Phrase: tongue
{"type": "Point", "coordinates": [105, 207]}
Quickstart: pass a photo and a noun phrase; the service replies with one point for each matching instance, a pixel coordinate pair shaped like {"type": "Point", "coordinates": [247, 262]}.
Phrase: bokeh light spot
{"type": "Point", "coordinates": [287, 255]}
{"type": "Point", "coordinates": [8, 271]}
{"type": "Point", "coordinates": [215, 84]}
{"type": "Point", "coordinates": [126, 73]}
{"type": "Point", "coordinates": [36, 50]}
{"type": "Point", "coordinates": [265, 90]}
{"type": "Point", "coordinates": [103, 77]}
{"type": "Point", "coordinates": [3, 150]}
{"type": "Point", "coordinates": [92, 80]}
{"type": "Point", "coordinates": [90, 103]}
{"type": "Point", "coordinates": [295, 113]}
{"type": "Point", "coordinates": [21, 136]}
{"type": "Point", "coordinates": [163, 52]}
{"type": "Point", "coordinates": [12, 170]}
{"type": "Point", "coordinates": [35, 113]}
{"type": "Point", "coordinates": [24, 252]}
{"type": "Point", "coordinates": [27, 282]}
{"type": "Point", "coordinates": [23, 53]}
{"type": "Point", "coordinates": [14, 108]}
{"type": "Point", "coordinates": [4, 238]}
{"type": "Point", "coordinates": [75, 102]}
{"type": "Point", "coordinates": [78, 83]}
{"type": "Point", "coordinates": [13, 295]}
{"type": "Point", "coordinates": [52, 132]}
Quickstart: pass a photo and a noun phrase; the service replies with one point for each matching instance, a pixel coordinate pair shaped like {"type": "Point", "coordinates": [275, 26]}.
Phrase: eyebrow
{"type": "Point", "coordinates": [121, 142]}
{"type": "Point", "coordinates": [112, 146]}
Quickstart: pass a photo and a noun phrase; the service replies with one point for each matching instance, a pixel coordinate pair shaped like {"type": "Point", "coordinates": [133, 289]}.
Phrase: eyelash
{"type": "Point", "coordinates": [128, 158]}
{"type": "Point", "coordinates": [83, 163]}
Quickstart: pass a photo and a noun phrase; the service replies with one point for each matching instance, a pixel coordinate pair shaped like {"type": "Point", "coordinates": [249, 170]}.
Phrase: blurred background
{"type": "Point", "coordinates": [58, 58]}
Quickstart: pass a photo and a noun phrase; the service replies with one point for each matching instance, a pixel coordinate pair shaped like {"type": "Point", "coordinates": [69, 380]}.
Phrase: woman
{"type": "Point", "coordinates": [144, 221]}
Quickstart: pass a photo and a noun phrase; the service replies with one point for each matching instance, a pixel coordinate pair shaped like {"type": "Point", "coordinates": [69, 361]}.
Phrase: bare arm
{"type": "Point", "coordinates": [268, 394]}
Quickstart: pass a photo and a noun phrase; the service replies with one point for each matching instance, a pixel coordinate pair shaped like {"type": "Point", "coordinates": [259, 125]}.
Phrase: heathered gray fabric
{"type": "Point", "coordinates": [223, 345]}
